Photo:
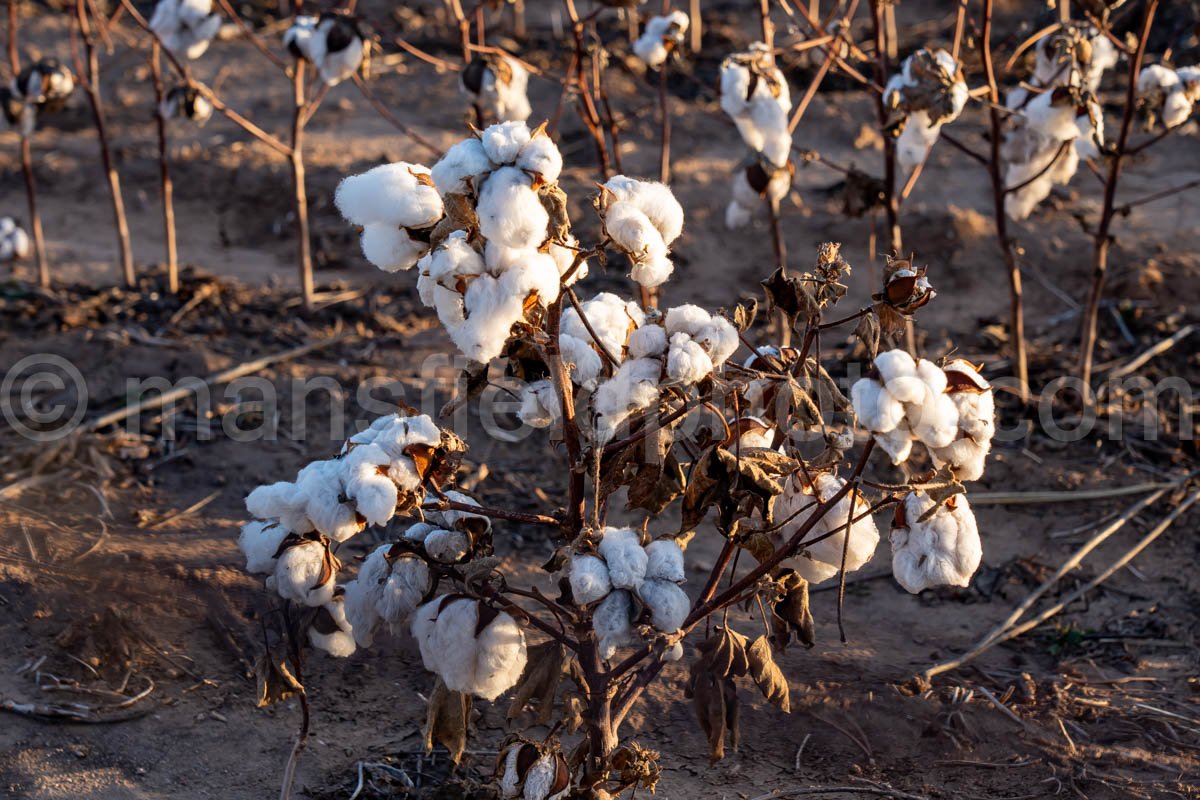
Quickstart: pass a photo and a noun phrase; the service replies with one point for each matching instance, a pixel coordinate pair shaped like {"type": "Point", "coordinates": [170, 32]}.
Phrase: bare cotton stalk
{"type": "Point", "coordinates": [891, 200]}
{"type": "Point", "coordinates": [300, 197]}
{"type": "Point", "coordinates": [1102, 239]}
{"type": "Point", "coordinates": [35, 219]}
{"type": "Point", "coordinates": [92, 86]}
{"type": "Point", "coordinates": [164, 170]}
{"type": "Point", "coordinates": [664, 152]}
{"type": "Point", "coordinates": [695, 26]}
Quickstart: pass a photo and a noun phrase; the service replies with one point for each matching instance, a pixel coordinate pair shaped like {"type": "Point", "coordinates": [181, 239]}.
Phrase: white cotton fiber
{"type": "Point", "coordinates": [611, 622]}
{"type": "Point", "coordinates": [687, 319]}
{"type": "Point", "coordinates": [621, 549]}
{"type": "Point", "coordinates": [403, 591]}
{"type": "Point", "coordinates": [448, 547]}
{"type": "Point", "coordinates": [259, 542]}
{"type": "Point", "coordinates": [668, 604]}
{"type": "Point", "coordinates": [390, 194]}
{"type": "Point", "coordinates": [664, 560]}
{"type": "Point", "coordinates": [500, 657]}
{"type": "Point", "coordinates": [719, 338]}
{"type": "Point", "coordinates": [298, 574]}
{"type": "Point", "coordinates": [391, 248]}
{"type": "Point", "coordinates": [464, 162]}
{"type": "Point", "coordinates": [541, 156]}
{"type": "Point", "coordinates": [942, 551]}
{"type": "Point", "coordinates": [510, 212]}
{"type": "Point", "coordinates": [374, 494]}
{"type": "Point", "coordinates": [339, 643]}
{"type": "Point", "coordinates": [503, 142]}
{"type": "Point", "coordinates": [581, 356]}
{"type": "Point", "coordinates": [822, 560]}
{"type": "Point", "coordinates": [648, 341]}
{"type": "Point", "coordinates": [655, 200]}
{"type": "Point", "coordinates": [633, 387]}
{"type": "Point", "coordinates": [540, 405]}
{"type": "Point", "coordinates": [687, 362]}
{"type": "Point", "coordinates": [589, 579]}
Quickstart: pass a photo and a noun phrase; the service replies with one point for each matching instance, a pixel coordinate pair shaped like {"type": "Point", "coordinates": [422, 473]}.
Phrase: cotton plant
{"type": "Point", "coordinates": [331, 42]}
{"type": "Point", "coordinates": [15, 244]}
{"type": "Point", "coordinates": [498, 86]}
{"type": "Point", "coordinates": [1169, 94]}
{"type": "Point", "coordinates": [40, 88]}
{"type": "Point", "coordinates": [661, 37]}
{"type": "Point", "coordinates": [1076, 55]}
{"type": "Point", "coordinates": [929, 91]}
{"type": "Point", "coordinates": [1049, 136]}
{"type": "Point", "coordinates": [185, 27]}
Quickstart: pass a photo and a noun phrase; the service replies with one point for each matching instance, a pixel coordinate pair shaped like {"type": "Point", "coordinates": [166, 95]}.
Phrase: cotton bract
{"type": "Point", "coordinates": [943, 550]}
{"type": "Point", "coordinates": [186, 27]}
{"type": "Point", "coordinates": [823, 560]}
{"type": "Point", "coordinates": [474, 649]}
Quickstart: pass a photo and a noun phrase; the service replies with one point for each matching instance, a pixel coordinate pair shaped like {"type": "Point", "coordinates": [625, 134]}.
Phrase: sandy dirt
{"type": "Point", "coordinates": [103, 580]}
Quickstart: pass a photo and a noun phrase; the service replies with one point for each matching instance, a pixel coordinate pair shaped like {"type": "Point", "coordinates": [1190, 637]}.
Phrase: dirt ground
{"type": "Point", "coordinates": [121, 569]}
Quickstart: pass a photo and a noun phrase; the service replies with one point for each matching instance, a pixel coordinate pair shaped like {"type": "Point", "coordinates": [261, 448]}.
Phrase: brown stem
{"type": "Point", "coordinates": [779, 248]}
{"type": "Point", "coordinates": [497, 513]}
{"type": "Point", "coordinates": [664, 151]}
{"type": "Point", "coordinates": [303, 246]}
{"type": "Point", "coordinates": [1007, 245]}
{"type": "Point", "coordinates": [164, 170]}
{"type": "Point", "coordinates": [811, 91]}
{"type": "Point", "coordinates": [891, 199]}
{"type": "Point", "coordinates": [35, 218]}
{"type": "Point", "coordinates": [92, 86]}
{"type": "Point", "coordinates": [289, 770]}
{"type": "Point", "coordinates": [1102, 239]}
{"type": "Point", "coordinates": [610, 119]}
{"type": "Point", "coordinates": [573, 523]}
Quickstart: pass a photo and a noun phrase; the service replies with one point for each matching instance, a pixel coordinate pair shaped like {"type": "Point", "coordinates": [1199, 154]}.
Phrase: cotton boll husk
{"type": "Point", "coordinates": [668, 604]}
{"type": "Point", "coordinates": [510, 212]}
{"type": "Point", "coordinates": [621, 549]}
{"type": "Point", "coordinates": [942, 551]}
{"type": "Point", "coordinates": [542, 157]}
{"type": "Point", "coordinates": [589, 579]}
{"type": "Point", "coordinates": [719, 338]}
{"type": "Point", "coordinates": [374, 494]}
{"type": "Point", "coordinates": [501, 657]}
{"type": "Point", "coordinates": [647, 341]}
{"type": "Point", "coordinates": [403, 591]}
{"type": "Point", "coordinates": [454, 637]}
{"type": "Point", "coordinates": [297, 572]}
{"type": "Point", "coordinates": [448, 547]}
{"type": "Point", "coordinates": [259, 542]}
{"type": "Point", "coordinates": [389, 194]}
{"type": "Point", "coordinates": [540, 405]}
{"type": "Point", "coordinates": [822, 560]}
{"type": "Point", "coordinates": [339, 643]}
{"type": "Point", "coordinates": [391, 248]}
{"type": "Point", "coordinates": [687, 363]}
{"type": "Point", "coordinates": [503, 142]}
{"type": "Point", "coordinates": [465, 161]}
{"type": "Point", "coordinates": [664, 560]}
{"type": "Point", "coordinates": [611, 622]}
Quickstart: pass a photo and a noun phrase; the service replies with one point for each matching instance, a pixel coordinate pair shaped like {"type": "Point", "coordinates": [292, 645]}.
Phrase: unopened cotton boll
{"type": "Point", "coordinates": [259, 542]}
{"type": "Point", "coordinates": [668, 604]}
{"type": "Point", "coordinates": [298, 574]}
{"type": "Point", "coordinates": [540, 405]}
{"type": "Point", "coordinates": [822, 560]}
{"type": "Point", "coordinates": [465, 162]}
{"type": "Point", "coordinates": [510, 212]}
{"type": "Point", "coordinates": [687, 362]}
{"type": "Point", "coordinates": [398, 194]}
{"type": "Point", "coordinates": [621, 549]}
{"type": "Point", "coordinates": [331, 631]}
{"type": "Point", "coordinates": [589, 579]}
{"type": "Point", "coordinates": [664, 560]}
{"type": "Point", "coordinates": [944, 550]}
{"type": "Point", "coordinates": [611, 622]}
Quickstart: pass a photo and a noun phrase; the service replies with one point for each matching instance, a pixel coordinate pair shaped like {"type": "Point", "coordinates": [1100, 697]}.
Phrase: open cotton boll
{"type": "Point", "coordinates": [186, 27]}
{"type": "Point", "coordinates": [942, 551]}
{"type": "Point", "coordinates": [648, 341]}
{"type": "Point", "coordinates": [504, 141]}
{"type": "Point", "coordinates": [498, 84]}
{"type": "Point", "coordinates": [822, 560]}
{"type": "Point", "coordinates": [874, 406]}
{"type": "Point", "coordinates": [589, 579]}
{"type": "Point", "coordinates": [661, 35]}
{"type": "Point", "coordinates": [611, 622]}
{"type": "Point", "coordinates": [500, 657]}
{"type": "Point", "coordinates": [362, 595]}
{"type": "Point", "coordinates": [259, 542]}
{"type": "Point", "coordinates": [540, 155]}
{"type": "Point", "coordinates": [1176, 109]}
{"type": "Point", "coordinates": [668, 604]}
{"type": "Point", "coordinates": [331, 632]}
{"type": "Point", "coordinates": [719, 338]}
{"type": "Point", "coordinates": [897, 442]}
{"type": "Point", "coordinates": [322, 484]}
{"type": "Point", "coordinates": [544, 776]}
{"type": "Point", "coordinates": [621, 549]}
{"type": "Point", "coordinates": [464, 162]}
{"type": "Point", "coordinates": [633, 232]}
{"type": "Point", "coordinates": [585, 363]}
{"type": "Point", "coordinates": [689, 319]}
{"type": "Point", "coordinates": [486, 665]}
{"type": "Point", "coordinates": [613, 320]}
{"type": "Point", "coordinates": [540, 406]}
{"type": "Point", "coordinates": [453, 261]}
{"type": "Point", "coordinates": [399, 194]}
{"type": "Point", "coordinates": [918, 136]}
{"type": "Point", "coordinates": [374, 494]}
{"type": "Point", "coordinates": [420, 532]}
{"type": "Point", "coordinates": [448, 547]}
{"type": "Point", "coordinates": [403, 591]}
{"type": "Point", "coordinates": [298, 574]}
{"type": "Point", "coordinates": [337, 47]}
{"type": "Point", "coordinates": [664, 560]}
{"type": "Point", "coordinates": [634, 387]}
{"type": "Point", "coordinates": [687, 362]}
{"type": "Point", "coordinates": [453, 637]}
{"type": "Point", "coordinates": [510, 212]}
{"type": "Point", "coordinates": [532, 274]}
{"type": "Point", "coordinates": [274, 500]}
{"type": "Point", "coordinates": [391, 248]}
{"type": "Point", "coordinates": [491, 312]}
{"type": "Point", "coordinates": [655, 200]}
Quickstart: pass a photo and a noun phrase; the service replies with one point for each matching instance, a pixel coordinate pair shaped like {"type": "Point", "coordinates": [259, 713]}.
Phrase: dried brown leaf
{"type": "Point", "coordinates": [447, 720]}
{"type": "Point", "coordinates": [275, 681]}
{"type": "Point", "coordinates": [767, 675]}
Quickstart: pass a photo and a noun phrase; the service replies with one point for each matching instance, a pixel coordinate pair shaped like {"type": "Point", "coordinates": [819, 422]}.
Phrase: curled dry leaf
{"type": "Point", "coordinates": [790, 296]}
{"type": "Point", "coordinates": [275, 681]}
{"type": "Point", "coordinates": [867, 332]}
{"type": "Point", "coordinates": [766, 673]}
{"type": "Point", "coordinates": [744, 314]}
{"type": "Point", "coordinates": [447, 720]}
{"type": "Point", "coordinates": [793, 615]}
{"type": "Point", "coordinates": [638, 766]}
{"type": "Point", "coordinates": [535, 691]}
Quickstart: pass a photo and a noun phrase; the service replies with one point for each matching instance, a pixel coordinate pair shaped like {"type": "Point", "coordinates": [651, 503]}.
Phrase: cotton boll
{"type": "Point", "coordinates": [360, 611]}
{"type": "Point", "coordinates": [941, 551]}
{"type": "Point", "coordinates": [668, 604]}
{"type": "Point", "coordinates": [391, 248]}
{"type": "Point", "coordinates": [398, 194]}
{"type": "Point", "coordinates": [491, 312]}
{"type": "Point", "coordinates": [259, 542]}
{"type": "Point", "coordinates": [532, 274]}
{"type": "Point", "coordinates": [655, 200]}
{"type": "Point", "coordinates": [673, 653]}
{"type": "Point", "coordinates": [661, 35]}
{"type": "Point", "coordinates": [501, 657]}
{"type": "Point", "coordinates": [651, 49]}
{"type": "Point", "coordinates": [463, 520]}
{"type": "Point", "coordinates": [510, 212]}
{"type": "Point", "coordinates": [337, 47]}
{"type": "Point", "coordinates": [897, 442]}
{"type": "Point", "coordinates": [544, 777]}
{"type": "Point", "coordinates": [634, 387]}
{"type": "Point", "coordinates": [420, 532]}
{"type": "Point", "coordinates": [1176, 109]}
{"type": "Point", "coordinates": [687, 319]}
{"type": "Point", "coordinates": [298, 574]}
{"type": "Point", "coordinates": [403, 591]}
{"type": "Point", "coordinates": [647, 341]}
{"type": "Point", "coordinates": [621, 549]}
{"type": "Point", "coordinates": [611, 622]}
{"type": "Point", "coordinates": [874, 406]}
{"type": "Point", "coordinates": [465, 162]}
{"type": "Point", "coordinates": [374, 494]}
{"type": "Point", "coordinates": [585, 363]}
{"type": "Point", "coordinates": [448, 547]}
{"type": "Point", "coordinates": [633, 232]}
{"type": "Point", "coordinates": [298, 37]}
{"type": "Point", "coordinates": [612, 319]}
{"type": "Point", "coordinates": [337, 638]}
{"type": "Point", "coordinates": [423, 626]}
{"type": "Point", "coordinates": [503, 142]}
{"type": "Point", "coordinates": [540, 405]}
{"type": "Point", "coordinates": [719, 338]}
{"type": "Point", "coordinates": [453, 263]}
{"type": "Point", "coordinates": [918, 136]}
{"type": "Point", "coordinates": [323, 486]}
{"type": "Point", "coordinates": [274, 500]}
{"type": "Point", "coordinates": [540, 156]}
{"type": "Point", "coordinates": [664, 560]}
{"type": "Point", "coordinates": [454, 637]}
{"type": "Point", "coordinates": [737, 215]}
{"type": "Point", "coordinates": [498, 84]}
{"type": "Point", "coordinates": [687, 362]}
{"type": "Point", "coordinates": [653, 270]}
{"type": "Point", "coordinates": [589, 579]}
{"type": "Point", "coordinates": [822, 560]}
